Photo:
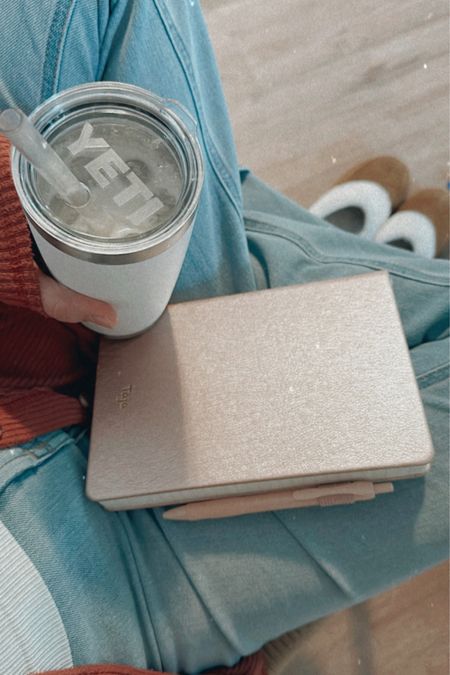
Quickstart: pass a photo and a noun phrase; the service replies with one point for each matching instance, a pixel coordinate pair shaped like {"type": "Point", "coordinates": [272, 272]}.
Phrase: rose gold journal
{"type": "Point", "coordinates": [250, 393]}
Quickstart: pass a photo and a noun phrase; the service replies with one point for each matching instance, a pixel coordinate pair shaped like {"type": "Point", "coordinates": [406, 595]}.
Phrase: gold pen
{"type": "Point", "coordinates": [332, 494]}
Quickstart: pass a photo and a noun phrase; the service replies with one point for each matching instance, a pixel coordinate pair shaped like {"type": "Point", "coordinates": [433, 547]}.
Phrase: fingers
{"type": "Point", "coordinates": [65, 305]}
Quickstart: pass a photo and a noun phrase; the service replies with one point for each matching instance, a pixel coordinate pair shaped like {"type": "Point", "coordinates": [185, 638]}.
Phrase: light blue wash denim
{"type": "Point", "coordinates": [130, 586]}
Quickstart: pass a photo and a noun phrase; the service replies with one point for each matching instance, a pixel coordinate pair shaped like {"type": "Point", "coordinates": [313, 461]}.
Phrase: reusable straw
{"type": "Point", "coordinates": [16, 126]}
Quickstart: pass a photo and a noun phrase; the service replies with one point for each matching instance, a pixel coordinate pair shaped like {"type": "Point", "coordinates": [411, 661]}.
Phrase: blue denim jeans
{"type": "Point", "coordinates": [131, 587]}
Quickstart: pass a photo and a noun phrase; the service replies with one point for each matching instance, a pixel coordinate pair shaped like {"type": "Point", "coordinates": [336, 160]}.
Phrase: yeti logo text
{"type": "Point", "coordinates": [107, 166]}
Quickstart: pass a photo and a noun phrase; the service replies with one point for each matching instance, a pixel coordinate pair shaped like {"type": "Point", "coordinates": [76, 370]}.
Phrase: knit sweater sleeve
{"type": "Point", "coordinates": [19, 283]}
{"type": "Point", "coordinates": [254, 664]}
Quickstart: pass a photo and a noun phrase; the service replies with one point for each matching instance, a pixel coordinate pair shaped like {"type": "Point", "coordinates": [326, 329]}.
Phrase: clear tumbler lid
{"type": "Point", "coordinates": [140, 161]}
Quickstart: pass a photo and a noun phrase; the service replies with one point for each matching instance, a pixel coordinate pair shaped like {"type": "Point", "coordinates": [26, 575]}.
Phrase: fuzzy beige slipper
{"type": "Point", "coordinates": [434, 203]}
{"type": "Point", "coordinates": [420, 224]}
{"type": "Point", "coordinates": [387, 171]}
{"type": "Point", "coordinates": [365, 196]}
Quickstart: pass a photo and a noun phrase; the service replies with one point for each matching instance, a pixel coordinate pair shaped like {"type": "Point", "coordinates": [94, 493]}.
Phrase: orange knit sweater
{"type": "Point", "coordinates": [44, 365]}
{"type": "Point", "coordinates": [250, 665]}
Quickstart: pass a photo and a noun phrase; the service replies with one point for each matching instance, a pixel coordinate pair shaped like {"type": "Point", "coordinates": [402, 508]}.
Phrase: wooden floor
{"type": "Point", "coordinates": [401, 632]}
{"type": "Point", "coordinates": [314, 87]}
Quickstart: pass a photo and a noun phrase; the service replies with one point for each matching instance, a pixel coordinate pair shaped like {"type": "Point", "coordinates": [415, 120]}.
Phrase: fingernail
{"type": "Point", "coordinates": [103, 320]}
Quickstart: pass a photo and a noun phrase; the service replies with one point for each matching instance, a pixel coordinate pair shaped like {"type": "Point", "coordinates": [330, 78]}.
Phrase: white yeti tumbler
{"type": "Point", "coordinates": [144, 170]}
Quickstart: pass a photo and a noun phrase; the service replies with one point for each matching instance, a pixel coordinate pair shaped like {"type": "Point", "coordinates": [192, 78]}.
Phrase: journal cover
{"type": "Point", "coordinates": [248, 393]}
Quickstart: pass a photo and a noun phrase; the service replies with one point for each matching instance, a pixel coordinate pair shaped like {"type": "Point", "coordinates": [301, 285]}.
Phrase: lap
{"type": "Point", "coordinates": [131, 587]}
{"type": "Point", "coordinates": [198, 594]}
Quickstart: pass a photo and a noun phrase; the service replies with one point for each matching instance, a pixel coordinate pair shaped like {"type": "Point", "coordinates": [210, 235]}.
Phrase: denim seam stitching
{"type": "Point", "coordinates": [53, 53]}
{"type": "Point", "coordinates": [345, 592]}
{"type": "Point", "coordinates": [229, 639]}
{"type": "Point", "coordinates": [120, 517]}
{"type": "Point", "coordinates": [26, 455]}
{"type": "Point", "coordinates": [317, 255]}
{"type": "Point", "coordinates": [432, 376]}
{"type": "Point", "coordinates": [29, 465]}
{"type": "Point", "coordinates": [185, 63]}
{"type": "Point", "coordinates": [50, 445]}
{"type": "Point", "coordinates": [29, 461]}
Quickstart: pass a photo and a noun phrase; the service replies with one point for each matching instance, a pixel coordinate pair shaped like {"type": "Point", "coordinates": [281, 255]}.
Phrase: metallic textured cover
{"type": "Point", "coordinates": [290, 386]}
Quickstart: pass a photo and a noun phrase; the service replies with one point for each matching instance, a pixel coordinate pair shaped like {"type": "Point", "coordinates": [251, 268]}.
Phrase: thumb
{"type": "Point", "coordinates": [63, 304]}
